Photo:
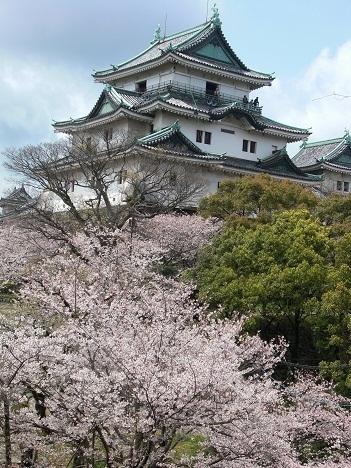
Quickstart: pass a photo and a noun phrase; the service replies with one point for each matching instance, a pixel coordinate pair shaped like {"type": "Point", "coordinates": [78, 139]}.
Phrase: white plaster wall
{"type": "Point", "coordinates": [181, 74]}
{"type": "Point", "coordinates": [330, 181]}
{"type": "Point", "coordinates": [223, 142]}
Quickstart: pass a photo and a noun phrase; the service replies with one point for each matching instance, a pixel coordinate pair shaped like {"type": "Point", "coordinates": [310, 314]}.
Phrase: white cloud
{"type": "Point", "coordinates": [302, 100]}
{"type": "Point", "coordinates": [32, 93]}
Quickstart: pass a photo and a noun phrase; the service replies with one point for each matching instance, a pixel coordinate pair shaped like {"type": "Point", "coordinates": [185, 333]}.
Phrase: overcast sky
{"type": "Point", "coordinates": [49, 48]}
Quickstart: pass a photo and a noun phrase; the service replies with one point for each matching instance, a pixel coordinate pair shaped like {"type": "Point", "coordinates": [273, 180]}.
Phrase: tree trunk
{"type": "Point", "coordinates": [7, 433]}
{"type": "Point", "coordinates": [296, 345]}
{"type": "Point", "coordinates": [28, 458]}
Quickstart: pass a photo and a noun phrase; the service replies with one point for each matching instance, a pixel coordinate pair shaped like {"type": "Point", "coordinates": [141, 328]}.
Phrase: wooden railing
{"type": "Point", "coordinates": [198, 93]}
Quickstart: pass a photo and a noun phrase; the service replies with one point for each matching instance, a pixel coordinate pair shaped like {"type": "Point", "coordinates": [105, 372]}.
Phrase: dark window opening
{"type": "Point", "coordinates": [122, 176]}
{"type": "Point", "coordinates": [140, 86]}
{"type": "Point", "coordinates": [253, 145]}
{"type": "Point", "coordinates": [212, 88]}
{"type": "Point", "coordinates": [245, 145]}
{"type": "Point", "coordinates": [152, 128]}
{"type": "Point", "coordinates": [346, 186]}
{"type": "Point", "coordinates": [339, 185]}
{"type": "Point", "coordinates": [199, 134]}
{"type": "Point", "coordinates": [274, 148]}
{"type": "Point", "coordinates": [172, 179]}
{"type": "Point", "coordinates": [226, 130]}
{"type": "Point", "coordinates": [108, 134]}
{"type": "Point", "coordinates": [208, 138]}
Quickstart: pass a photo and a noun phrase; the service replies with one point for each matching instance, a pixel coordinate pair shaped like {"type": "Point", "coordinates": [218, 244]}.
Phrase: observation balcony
{"type": "Point", "coordinates": [197, 95]}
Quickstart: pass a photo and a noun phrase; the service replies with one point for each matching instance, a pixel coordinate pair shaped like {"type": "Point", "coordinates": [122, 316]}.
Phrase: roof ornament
{"type": "Point", "coordinates": [108, 88]}
{"type": "Point", "coordinates": [170, 48]}
{"type": "Point", "coordinates": [215, 19]}
{"type": "Point", "coordinates": [347, 137]}
{"type": "Point", "coordinates": [176, 125]}
{"type": "Point", "coordinates": [157, 35]}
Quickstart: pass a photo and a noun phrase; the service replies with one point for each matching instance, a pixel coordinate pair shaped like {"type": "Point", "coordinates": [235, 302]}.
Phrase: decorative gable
{"type": "Point", "coordinates": [105, 108]}
{"type": "Point", "coordinates": [215, 48]}
{"type": "Point", "coordinates": [343, 158]}
{"type": "Point", "coordinates": [214, 51]}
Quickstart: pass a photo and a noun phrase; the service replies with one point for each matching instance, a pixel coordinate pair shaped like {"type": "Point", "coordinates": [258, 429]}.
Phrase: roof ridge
{"type": "Point", "coordinates": [158, 43]}
{"type": "Point", "coordinates": [186, 31]}
{"type": "Point", "coordinates": [323, 142]}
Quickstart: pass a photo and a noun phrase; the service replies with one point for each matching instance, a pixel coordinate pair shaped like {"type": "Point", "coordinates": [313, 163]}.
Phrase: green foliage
{"type": "Point", "coordinates": [8, 287]}
{"type": "Point", "coordinates": [189, 446]}
{"type": "Point", "coordinates": [259, 195]}
{"type": "Point", "coordinates": [334, 208]}
{"type": "Point", "coordinates": [287, 269]}
{"type": "Point", "coordinates": [274, 273]}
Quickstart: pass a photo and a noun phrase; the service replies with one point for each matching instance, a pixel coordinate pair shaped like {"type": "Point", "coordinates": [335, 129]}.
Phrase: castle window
{"type": "Point", "coordinates": [108, 134]}
{"type": "Point", "coordinates": [212, 88]}
{"type": "Point", "coordinates": [274, 148]}
{"type": "Point", "coordinates": [208, 138]}
{"type": "Point", "coordinates": [122, 176]}
{"type": "Point", "coordinates": [339, 185]}
{"type": "Point", "coordinates": [245, 145]}
{"type": "Point", "coordinates": [226, 130]}
{"type": "Point", "coordinates": [253, 146]}
{"type": "Point", "coordinates": [199, 135]}
{"type": "Point", "coordinates": [346, 186]}
{"type": "Point", "coordinates": [172, 179]}
{"type": "Point", "coordinates": [140, 86]}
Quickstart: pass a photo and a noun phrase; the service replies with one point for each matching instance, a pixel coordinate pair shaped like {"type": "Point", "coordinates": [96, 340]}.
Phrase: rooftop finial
{"type": "Point", "coordinates": [157, 35]}
{"type": "Point", "coordinates": [215, 19]}
{"type": "Point", "coordinates": [347, 136]}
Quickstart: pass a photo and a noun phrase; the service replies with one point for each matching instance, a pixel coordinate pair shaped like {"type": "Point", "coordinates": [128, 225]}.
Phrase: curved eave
{"type": "Point", "coordinates": [86, 124]}
{"type": "Point", "coordinates": [208, 158]}
{"type": "Point", "coordinates": [324, 165]}
{"type": "Point", "coordinates": [172, 57]}
{"type": "Point", "coordinates": [289, 135]}
{"type": "Point", "coordinates": [174, 108]}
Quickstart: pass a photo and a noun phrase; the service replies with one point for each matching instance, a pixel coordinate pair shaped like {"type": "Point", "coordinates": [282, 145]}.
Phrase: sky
{"type": "Point", "coordinates": [48, 50]}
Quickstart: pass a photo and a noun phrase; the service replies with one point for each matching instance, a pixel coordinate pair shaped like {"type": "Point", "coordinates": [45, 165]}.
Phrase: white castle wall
{"type": "Point", "coordinates": [222, 142]}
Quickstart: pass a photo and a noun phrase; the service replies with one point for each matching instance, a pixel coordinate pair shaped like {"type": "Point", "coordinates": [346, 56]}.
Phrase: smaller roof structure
{"type": "Point", "coordinates": [327, 153]}
{"type": "Point", "coordinates": [204, 45]}
{"type": "Point", "coordinates": [15, 201]}
{"type": "Point", "coordinates": [115, 103]}
{"type": "Point", "coordinates": [172, 141]}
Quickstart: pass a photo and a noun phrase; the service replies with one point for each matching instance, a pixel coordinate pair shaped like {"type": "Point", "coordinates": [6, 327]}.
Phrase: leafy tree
{"type": "Point", "coordinates": [274, 273]}
{"type": "Point", "coordinates": [259, 196]}
{"type": "Point", "coordinates": [334, 208]}
{"type": "Point", "coordinates": [331, 321]}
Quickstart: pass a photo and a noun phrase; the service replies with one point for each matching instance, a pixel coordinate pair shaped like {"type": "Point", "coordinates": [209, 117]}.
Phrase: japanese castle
{"type": "Point", "coordinates": [188, 98]}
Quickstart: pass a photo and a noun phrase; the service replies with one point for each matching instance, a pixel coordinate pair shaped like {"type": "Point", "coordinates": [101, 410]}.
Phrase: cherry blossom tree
{"type": "Point", "coordinates": [121, 364]}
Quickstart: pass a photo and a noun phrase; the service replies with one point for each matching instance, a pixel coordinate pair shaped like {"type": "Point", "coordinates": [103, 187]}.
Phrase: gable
{"type": "Point", "coordinates": [105, 108]}
{"type": "Point", "coordinates": [343, 159]}
{"type": "Point", "coordinates": [214, 51]}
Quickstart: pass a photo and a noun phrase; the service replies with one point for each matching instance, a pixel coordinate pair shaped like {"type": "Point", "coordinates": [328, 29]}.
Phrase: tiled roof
{"type": "Point", "coordinates": [18, 197]}
{"type": "Point", "coordinates": [184, 46]}
{"type": "Point", "coordinates": [277, 164]}
{"type": "Point", "coordinates": [256, 119]}
{"type": "Point", "coordinates": [156, 49]}
{"type": "Point", "coordinates": [315, 152]}
{"type": "Point", "coordinates": [141, 105]}
{"type": "Point", "coordinates": [170, 133]}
